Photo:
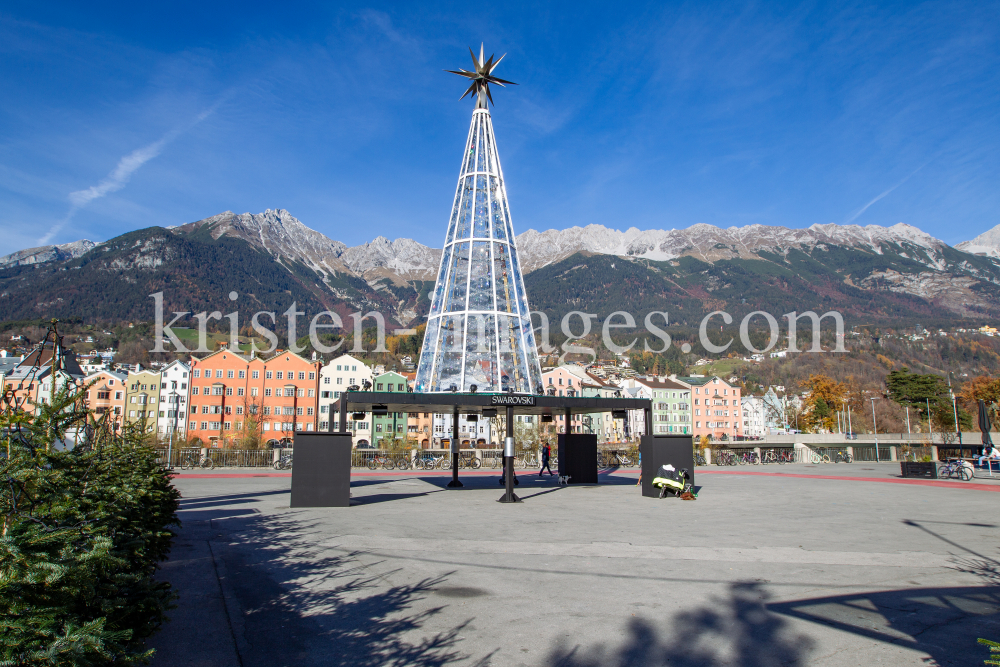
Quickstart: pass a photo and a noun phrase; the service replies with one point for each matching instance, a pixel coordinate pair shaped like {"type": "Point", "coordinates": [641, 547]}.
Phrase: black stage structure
{"type": "Point", "coordinates": [321, 474]}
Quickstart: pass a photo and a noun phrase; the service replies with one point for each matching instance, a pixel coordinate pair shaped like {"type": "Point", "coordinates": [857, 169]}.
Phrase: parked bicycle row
{"type": "Point", "coordinates": [442, 461]}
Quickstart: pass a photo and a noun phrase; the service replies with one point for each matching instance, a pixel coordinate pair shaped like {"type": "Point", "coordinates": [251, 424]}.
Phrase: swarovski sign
{"type": "Point", "coordinates": [511, 399]}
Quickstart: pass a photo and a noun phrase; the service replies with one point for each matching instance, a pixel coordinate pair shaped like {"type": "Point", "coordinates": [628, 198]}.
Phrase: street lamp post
{"type": "Point", "coordinates": [954, 408]}
{"type": "Point", "coordinates": [930, 426]}
{"type": "Point", "coordinates": [875, 424]}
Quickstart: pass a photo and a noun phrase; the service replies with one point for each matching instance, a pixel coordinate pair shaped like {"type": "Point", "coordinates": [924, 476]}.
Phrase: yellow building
{"type": "Point", "coordinates": [142, 398]}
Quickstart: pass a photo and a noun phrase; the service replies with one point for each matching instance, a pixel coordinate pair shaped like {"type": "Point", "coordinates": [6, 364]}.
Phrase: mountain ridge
{"type": "Point", "coordinates": [396, 275]}
{"type": "Point", "coordinates": [987, 243]}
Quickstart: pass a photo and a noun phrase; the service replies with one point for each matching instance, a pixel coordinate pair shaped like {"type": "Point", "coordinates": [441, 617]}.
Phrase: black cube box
{"type": "Point", "coordinates": [578, 457]}
{"type": "Point", "coordinates": [658, 450]}
{"type": "Point", "coordinates": [918, 469]}
{"type": "Point", "coordinates": [321, 470]}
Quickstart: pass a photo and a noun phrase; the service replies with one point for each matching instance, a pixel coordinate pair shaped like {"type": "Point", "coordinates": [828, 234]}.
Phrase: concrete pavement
{"type": "Point", "coordinates": [801, 568]}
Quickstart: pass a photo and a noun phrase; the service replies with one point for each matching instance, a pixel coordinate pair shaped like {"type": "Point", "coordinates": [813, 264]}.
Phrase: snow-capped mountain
{"type": "Point", "coordinates": [987, 243]}
{"type": "Point", "coordinates": [47, 253]}
{"type": "Point", "coordinates": [276, 231]}
{"type": "Point", "coordinates": [710, 243]}
{"type": "Point", "coordinates": [383, 274]}
{"type": "Point", "coordinates": [403, 258]}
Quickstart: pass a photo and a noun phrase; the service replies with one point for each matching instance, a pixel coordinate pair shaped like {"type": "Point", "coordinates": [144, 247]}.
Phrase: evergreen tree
{"type": "Point", "coordinates": [83, 532]}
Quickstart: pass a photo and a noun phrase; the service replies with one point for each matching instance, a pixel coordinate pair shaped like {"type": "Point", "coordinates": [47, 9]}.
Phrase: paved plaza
{"type": "Point", "coordinates": [787, 565]}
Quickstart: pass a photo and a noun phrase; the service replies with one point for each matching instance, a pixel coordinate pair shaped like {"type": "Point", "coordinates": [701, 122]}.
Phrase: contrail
{"type": "Point", "coordinates": [120, 175]}
{"type": "Point", "coordinates": [854, 216]}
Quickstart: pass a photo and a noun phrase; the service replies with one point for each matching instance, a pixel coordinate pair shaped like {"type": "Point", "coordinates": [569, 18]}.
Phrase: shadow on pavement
{"type": "Point", "coordinates": [745, 629]}
{"type": "Point", "coordinates": [388, 497]}
{"type": "Point", "coordinates": [290, 602]}
{"type": "Point", "coordinates": [737, 630]}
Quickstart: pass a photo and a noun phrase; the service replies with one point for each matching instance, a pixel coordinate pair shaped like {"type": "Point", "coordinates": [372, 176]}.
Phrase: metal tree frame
{"type": "Point", "coordinates": [479, 326]}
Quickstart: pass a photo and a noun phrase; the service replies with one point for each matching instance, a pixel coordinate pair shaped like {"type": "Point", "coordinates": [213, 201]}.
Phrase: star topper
{"type": "Point", "coordinates": [482, 77]}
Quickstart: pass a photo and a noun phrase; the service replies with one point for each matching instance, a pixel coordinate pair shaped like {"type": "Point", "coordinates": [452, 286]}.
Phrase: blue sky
{"type": "Point", "coordinates": [118, 117]}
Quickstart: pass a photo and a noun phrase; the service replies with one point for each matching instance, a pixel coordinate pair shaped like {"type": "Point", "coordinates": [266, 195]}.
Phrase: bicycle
{"type": "Point", "coordinates": [845, 457]}
{"type": "Point", "coordinates": [620, 460]}
{"type": "Point", "coordinates": [284, 462]}
{"type": "Point", "coordinates": [380, 460]}
{"type": "Point", "coordinates": [469, 461]}
{"type": "Point", "coordinates": [771, 456]}
{"type": "Point", "coordinates": [699, 460]}
{"type": "Point", "coordinates": [431, 462]}
{"type": "Point", "coordinates": [819, 458]}
{"type": "Point", "coordinates": [726, 458]}
{"type": "Point", "coordinates": [190, 462]}
{"type": "Point", "coordinates": [955, 468]}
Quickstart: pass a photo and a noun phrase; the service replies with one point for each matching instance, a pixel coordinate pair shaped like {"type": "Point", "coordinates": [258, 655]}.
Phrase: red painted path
{"type": "Point", "coordinates": [947, 484]}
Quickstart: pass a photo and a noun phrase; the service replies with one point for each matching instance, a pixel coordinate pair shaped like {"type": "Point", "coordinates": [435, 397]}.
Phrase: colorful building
{"type": "Point", "coordinates": [392, 426]}
{"type": "Point", "coordinates": [335, 377]}
{"type": "Point", "coordinates": [142, 399]}
{"type": "Point", "coordinates": [671, 412]}
{"type": "Point", "coordinates": [42, 373]}
{"type": "Point", "coordinates": [235, 397]}
{"type": "Point", "coordinates": [172, 414]}
{"type": "Point", "coordinates": [716, 407]}
{"type": "Point", "coordinates": [106, 395]}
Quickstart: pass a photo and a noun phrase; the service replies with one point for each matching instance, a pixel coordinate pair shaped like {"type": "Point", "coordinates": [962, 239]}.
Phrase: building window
{"type": "Point", "coordinates": [312, 393]}
{"type": "Point", "coordinates": [196, 373]}
{"type": "Point", "coordinates": [228, 425]}
{"type": "Point", "coordinates": [239, 409]}
{"type": "Point", "coordinates": [253, 391]}
{"type": "Point", "coordinates": [243, 374]}
{"type": "Point", "coordinates": [204, 426]}
{"type": "Point", "coordinates": [267, 392]}
{"type": "Point", "coordinates": [326, 380]}
{"type": "Point", "coordinates": [229, 391]}
{"type": "Point", "coordinates": [255, 374]}
{"type": "Point", "coordinates": [268, 375]}
{"type": "Point", "coordinates": [229, 374]}
{"type": "Point", "coordinates": [239, 391]}
{"type": "Point", "coordinates": [340, 380]}
{"type": "Point", "coordinates": [302, 375]}
{"type": "Point", "coordinates": [280, 376]}
{"type": "Point", "coordinates": [312, 375]}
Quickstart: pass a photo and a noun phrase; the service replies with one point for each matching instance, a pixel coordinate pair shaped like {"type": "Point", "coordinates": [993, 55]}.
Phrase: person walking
{"type": "Point", "coordinates": [546, 452]}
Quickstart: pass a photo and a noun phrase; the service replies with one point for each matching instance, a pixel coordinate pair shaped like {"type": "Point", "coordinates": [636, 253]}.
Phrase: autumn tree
{"type": "Point", "coordinates": [824, 397]}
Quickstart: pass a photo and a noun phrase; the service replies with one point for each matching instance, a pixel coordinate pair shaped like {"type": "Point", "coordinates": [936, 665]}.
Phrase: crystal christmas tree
{"type": "Point", "coordinates": [479, 327]}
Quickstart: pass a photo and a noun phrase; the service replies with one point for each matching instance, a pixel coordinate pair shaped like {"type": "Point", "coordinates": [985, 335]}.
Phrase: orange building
{"type": "Point", "coordinates": [279, 395]}
{"type": "Point", "coordinates": [106, 395]}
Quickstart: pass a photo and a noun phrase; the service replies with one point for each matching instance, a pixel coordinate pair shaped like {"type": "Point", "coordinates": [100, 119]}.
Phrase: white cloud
{"type": "Point", "coordinates": [120, 175]}
{"type": "Point", "coordinates": [854, 216]}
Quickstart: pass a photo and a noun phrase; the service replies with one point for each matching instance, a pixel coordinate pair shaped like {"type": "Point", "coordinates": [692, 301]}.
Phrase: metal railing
{"type": "Point", "coordinates": [242, 458]}
{"type": "Point", "coordinates": [221, 457]}
{"type": "Point", "coordinates": [867, 454]}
